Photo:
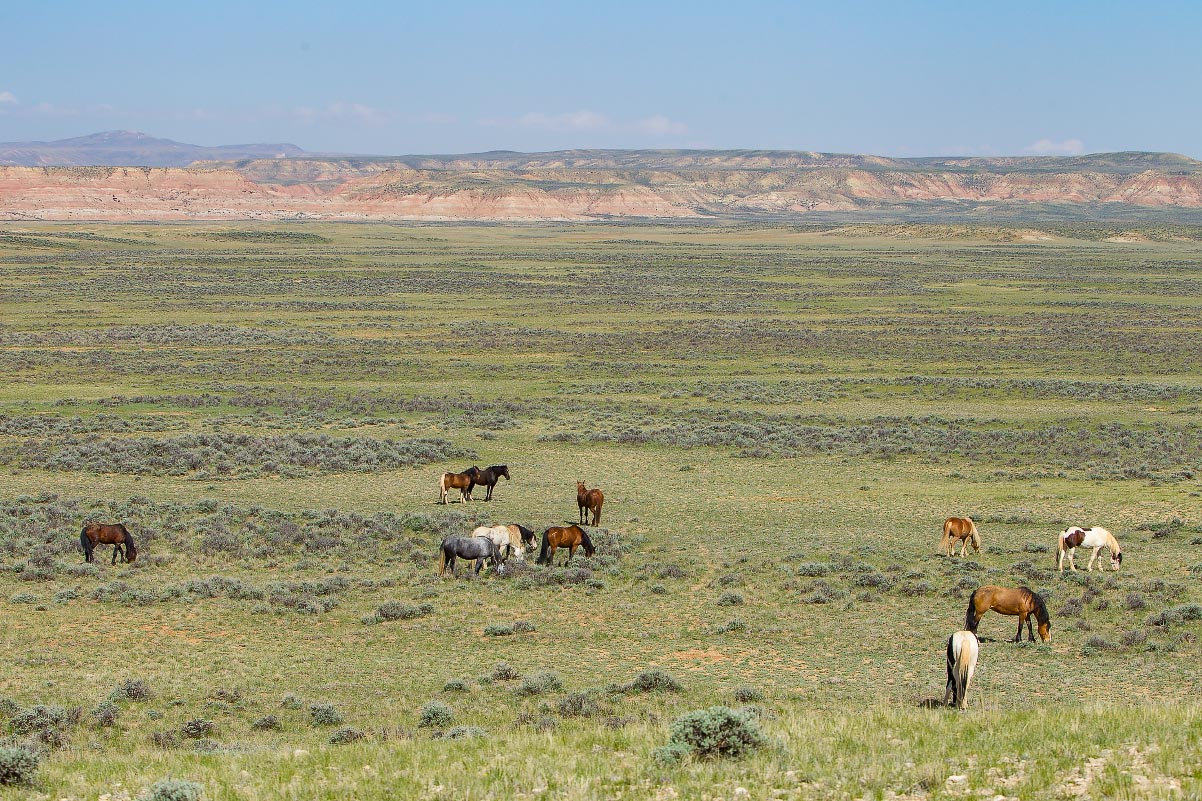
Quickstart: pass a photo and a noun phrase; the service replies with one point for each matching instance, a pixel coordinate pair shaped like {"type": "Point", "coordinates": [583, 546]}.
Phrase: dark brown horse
{"type": "Point", "coordinates": [106, 534]}
{"type": "Point", "coordinates": [1019, 601]}
{"type": "Point", "coordinates": [570, 537]}
{"type": "Point", "coordinates": [461, 481]}
{"type": "Point", "coordinates": [488, 477]}
{"type": "Point", "coordinates": [589, 500]}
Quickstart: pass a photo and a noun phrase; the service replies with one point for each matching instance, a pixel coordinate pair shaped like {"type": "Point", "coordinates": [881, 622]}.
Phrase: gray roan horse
{"type": "Point", "coordinates": [469, 548]}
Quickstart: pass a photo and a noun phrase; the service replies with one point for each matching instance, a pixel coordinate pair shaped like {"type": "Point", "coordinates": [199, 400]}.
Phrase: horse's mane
{"type": "Point", "coordinates": [1041, 609]}
{"type": "Point", "coordinates": [588, 543]}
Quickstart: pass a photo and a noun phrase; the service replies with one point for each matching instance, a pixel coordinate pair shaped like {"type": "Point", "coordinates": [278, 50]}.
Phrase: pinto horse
{"type": "Point", "coordinates": [1019, 601]}
{"type": "Point", "coordinates": [461, 481]}
{"type": "Point", "coordinates": [108, 534]}
{"type": "Point", "coordinates": [961, 530]}
{"type": "Point", "coordinates": [589, 500]}
{"type": "Point", "coordinates": [489, 476]}
{"type": "Point", "coordinates": [962, 650]}
{"type": "Point", "coordinates": [570, 537]}
{"type": "Point", "coordinates": [505, 541]}
{"type": "Point", "coordinates": [1096, 537]}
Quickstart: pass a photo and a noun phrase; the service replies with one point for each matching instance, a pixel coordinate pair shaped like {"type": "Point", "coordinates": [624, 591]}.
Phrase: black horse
{"type": "Point", "coordinates": [478, 548]}
{"type": "Point", "coordinates": [488, 477]}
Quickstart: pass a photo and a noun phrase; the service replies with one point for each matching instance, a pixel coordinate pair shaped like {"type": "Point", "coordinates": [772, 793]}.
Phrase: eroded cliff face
{"type": "Point", "coordinates": [576, 188]}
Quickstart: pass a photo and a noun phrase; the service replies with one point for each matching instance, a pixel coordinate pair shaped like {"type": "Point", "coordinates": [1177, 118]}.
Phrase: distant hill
{"type": "Point", "coordinates": [130, 149]}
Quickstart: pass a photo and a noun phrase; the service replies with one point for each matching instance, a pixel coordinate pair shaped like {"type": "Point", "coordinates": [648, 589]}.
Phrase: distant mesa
{"type": "Point", "coordinates": [132, 176]}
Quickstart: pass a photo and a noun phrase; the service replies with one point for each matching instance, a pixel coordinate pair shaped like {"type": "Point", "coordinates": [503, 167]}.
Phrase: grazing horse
{"type": "Point", "coordinates": [589, 500]}
{"type": "Point", "coordinates": [505, 541]}
{"type": "Point", "coordinates": [570, 537]}
{"type": "Point", "coordinates": [1097, 538]}
{"type": "Point", "coordinates": [962, 649]}
{"type": "Point", "coordinates": [1019, 601]}
{"type": "Point", "coordinates": [489, 476]}
{"type": "Point", "coordinates": [521, 534]}
{"type": "Point", "coordinates": [469, 548]}
{"type": "Point", "coordinates": [460, 481]}
{"type": "Point", "coordinates": [961, 530]}
{"type": "Point", "coordinates": [114, 534]}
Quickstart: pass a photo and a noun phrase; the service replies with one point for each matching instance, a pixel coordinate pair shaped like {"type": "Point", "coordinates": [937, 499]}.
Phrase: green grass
{"type": "Point", "coordinates": [755, 402]}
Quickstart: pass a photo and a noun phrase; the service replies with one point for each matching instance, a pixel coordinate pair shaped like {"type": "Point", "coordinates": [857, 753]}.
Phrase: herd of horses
{"type": "Point", "coordinates": [498, 543]}
{"type": "Point", "coordinates": [963, 647]}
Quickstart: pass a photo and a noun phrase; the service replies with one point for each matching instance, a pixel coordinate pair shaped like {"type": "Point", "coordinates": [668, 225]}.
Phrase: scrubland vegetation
{"type": "Point", "coordinates": [781, 418]}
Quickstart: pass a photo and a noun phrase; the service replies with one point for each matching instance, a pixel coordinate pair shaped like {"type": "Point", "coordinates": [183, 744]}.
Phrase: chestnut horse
{"type": "Point", "coordinates": [107, 534]}
{"type": "Point", "coordinates": [460, 481]}
{"type": "Point", "coordinates": [962, 650]}
{"type": "Point", "coordinates": [1019, 601]}
{"type": "Point", "coordinates": [961, 530]}
{"type": "Point", "coordinates": [589, 500]}
{"type": "Point", "coordinates": [1096, 537]}
{"type": "Point", "coordinates": [570, 537]}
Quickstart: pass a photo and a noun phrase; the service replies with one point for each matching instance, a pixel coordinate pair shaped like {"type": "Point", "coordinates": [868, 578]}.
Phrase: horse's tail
{"type": "Point", "coordinates": [442, 486]}
{"type": "Point", "coordinates": [597, 508]}
{"type": "Point", "coordinates": [976, 536]}
{"type": "Point", "coordinates": [970, 617]}
{"type": "Point", "coordinates": [131, 550]}
{"type": "Point", "coordinates": [544, 553]}
{"type": "Point", "coordinates": [966, 660]}
{"type": "Point", "coordinates": [86, 542]}
{"type": "Point", "coordinates": [589, 550]}
{"type": "Point", "coordinates": [946, 539]}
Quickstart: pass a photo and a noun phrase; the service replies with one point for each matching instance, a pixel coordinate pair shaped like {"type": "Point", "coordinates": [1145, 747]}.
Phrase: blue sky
{"type": "Point", "coordinates": [890, 78]}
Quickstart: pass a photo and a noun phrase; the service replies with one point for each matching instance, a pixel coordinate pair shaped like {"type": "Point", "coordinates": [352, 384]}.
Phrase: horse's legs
{"type": "Point", "coordinates": [118, 552]}
{"type": "Point", "coordinates": [1022, 618]}
{"type": "Point", "coordinates": [1094, 558]}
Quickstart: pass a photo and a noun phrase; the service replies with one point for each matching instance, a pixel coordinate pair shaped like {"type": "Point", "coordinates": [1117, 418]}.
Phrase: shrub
{"type": "Point", "coordinates": [131, 690]}
{"type": "Point", "coordinates": [324, 715]}
{"type": "Point", "coordinates": [659, 589]}
{"type": "Point", "coordinates": [730, 626]}
{"type": "Point", "coordinates": [395, 610]}
{"type": "Point", "coordinates": [106, 714]}
{"type": "Point", "coordinates": [435, 715]}
{"type": "Point", "coordinates": [1177, 614]}
{"type": "Point", "coordinates": [542, 682]}
{"type": "Point", "coordinates": [464, 732]}
{"type": "Point", "coordinates": [197, 728]}
{"type": "Point", "coordinates": [523, 626]}
{"type": "Point", "coordinates": [17, 766]}
{"type": "Point", "coordinates": [1135, 601]}
{"type": "Point", "coordinates": [1134, 637]}
{"type": "Point", "coordinates": [346, 735]}
{"type": "Point", "coordinates": [717, 732]}
{"type": "Point", "coordinates": [498, 629]}
{"type": "Point", "coordinates": [747, 695]}
{"type": "Point", "coordinates": [730, 599]}
{"type": "Point", "coordinates": [49, 725]}
{"type": "Point", "coordinates": [174, 790]}
{"type": "Point", "coordinates": [292, 702]}
{"type": "Point", "coordinates": [24, 598]}
{"type": "Point", "coordinates": [267, 723]}
{"type": "Point", "coordinates": [578, 705]}
{"type": "Point", "coordinates": [503, 672]}
{"type": "Point", "coordinates": [455, 686]}
{"type": "Point", "coordinates": [815, 569]}
{"type": "Point", "coordinates": [166, 739]}
{"type": "Point", "coordinates": [655, 681]}
{"type": "Point", "coordinates": [670, 754]}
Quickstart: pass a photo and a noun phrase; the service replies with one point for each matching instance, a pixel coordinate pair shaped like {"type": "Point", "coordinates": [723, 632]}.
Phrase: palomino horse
{"type": "Point", "coordinates": [570, 537]}
{"type": "Point", "coordinates": [106, 534]}
{"type": "Point", "coordinates": [489, 476]}
{"type": "Point", "coordinates": [589, 500]}
{"type": "Point", "coordinates": [962, 650]}
{"type": "Point", "coordinates": [507, 543]}
{"type": "Point", "coordinates": [1009, 601]}
{"type": "Point", "coordinates": [961, 530]}
{"type": "Point", "coordinates": [520, 534]}
{"type": "Point", "coordinates": [469, 548]}
{"type": "Point", "coordinates": [1097, 538]}
{"type": "Point", "coordinates": [460, 481]}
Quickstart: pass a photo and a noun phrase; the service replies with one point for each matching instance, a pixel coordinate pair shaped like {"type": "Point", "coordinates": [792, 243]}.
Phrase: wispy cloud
{"type": "Point", "coordinates": [7, 97]}
{"type": "Point", "coordinates": [587, 121]}
{"type": "Point", "coordinates": [1048, 147]}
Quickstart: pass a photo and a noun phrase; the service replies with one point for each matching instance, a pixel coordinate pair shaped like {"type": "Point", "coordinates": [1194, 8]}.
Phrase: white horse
{"type": "Point", "coordinates": [1095, 537]}
{"type": "Point", "coordinates": [962, 650]}
{"type": "Point", "coordinates": [508, 539]}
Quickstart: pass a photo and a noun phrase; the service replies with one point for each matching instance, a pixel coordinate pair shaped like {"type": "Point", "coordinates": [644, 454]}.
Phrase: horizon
{"type": "Point", "coordinates": [932, 80]}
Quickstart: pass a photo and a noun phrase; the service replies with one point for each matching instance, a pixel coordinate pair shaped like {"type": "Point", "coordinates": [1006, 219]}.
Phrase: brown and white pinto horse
{"type": "Point", "coordinates": [961, 530]}
{"type": "Point", "coordinates": [115, 534]}
{"type": "Point", "coordinates": [1019, 601]}
{"type": "Point", "coordinates": [589, 500]}
{"type": "Point", "coordinates": [570, 537]}
{"type": "Point", "coordinates": [1096, 537]}
{"type": "Point", "coordinates": [461, 481]}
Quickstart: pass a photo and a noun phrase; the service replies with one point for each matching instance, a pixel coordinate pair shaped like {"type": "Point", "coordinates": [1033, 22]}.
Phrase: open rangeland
{"type": "Point", "coordinates": [781, 419]}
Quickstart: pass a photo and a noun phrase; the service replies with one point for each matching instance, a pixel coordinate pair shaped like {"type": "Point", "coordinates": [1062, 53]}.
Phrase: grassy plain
{"type": "Point", "coordinates": [780, 417]}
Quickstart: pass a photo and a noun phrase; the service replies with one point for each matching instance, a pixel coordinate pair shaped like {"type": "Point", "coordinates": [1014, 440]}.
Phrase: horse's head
{"type": "Point", "coordinates": [1045, 631]}
{"type": "Point", "coordinates": [503, 470]}
{"type": "Point", "coordinates": [579, 487]}
{"type": "Point", "coordinates": [1116, 560]}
